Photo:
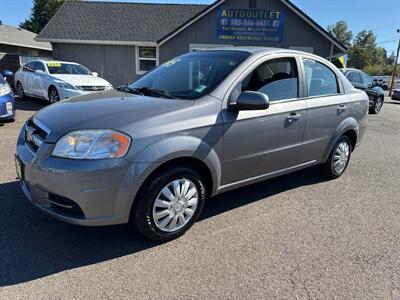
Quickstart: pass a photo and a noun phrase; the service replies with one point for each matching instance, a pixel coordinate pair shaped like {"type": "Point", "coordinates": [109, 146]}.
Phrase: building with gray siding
{"type": "Point", "coordinates": [122, 41]}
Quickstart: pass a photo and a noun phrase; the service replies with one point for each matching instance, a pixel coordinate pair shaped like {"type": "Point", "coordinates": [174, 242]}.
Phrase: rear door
{"type": "Point", "coordinates": [327, 107]}
{"type": "Point", "coordinates": [261, 142]}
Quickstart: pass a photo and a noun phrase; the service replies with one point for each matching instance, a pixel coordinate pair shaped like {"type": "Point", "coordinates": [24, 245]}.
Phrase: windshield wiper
{"type": "Point", "coordinates": [125, 88]}
{"type": "Point", "coordinates": [147, 90]}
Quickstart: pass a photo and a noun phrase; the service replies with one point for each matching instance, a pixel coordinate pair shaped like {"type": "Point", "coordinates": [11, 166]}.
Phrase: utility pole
{"type": "Point", "coordinates": [394, 68]}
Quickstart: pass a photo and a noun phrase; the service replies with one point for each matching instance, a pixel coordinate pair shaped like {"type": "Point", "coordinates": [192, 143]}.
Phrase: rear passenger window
{"type": "Point", "coordinates": [354, 77]}
{"type": "Point", "coordinates": [278, 79]}
{"type": "Point", "coordinates": [320, 79]}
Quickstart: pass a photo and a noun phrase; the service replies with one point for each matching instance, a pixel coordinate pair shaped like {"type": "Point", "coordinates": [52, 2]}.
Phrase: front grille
{"type": "Point", "coordinates": [35, 134]}
{"type": "Point", "coordinates": [65, 205]}
{"type": "Point", "coordinates": [93, 88]}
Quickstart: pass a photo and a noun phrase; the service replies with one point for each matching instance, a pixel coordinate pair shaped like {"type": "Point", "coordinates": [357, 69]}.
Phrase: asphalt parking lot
{"type": "Point", "coordinates": [293, 237]}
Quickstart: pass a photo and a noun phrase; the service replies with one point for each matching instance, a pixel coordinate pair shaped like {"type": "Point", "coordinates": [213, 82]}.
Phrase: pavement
{"type": "Point", "coordinates": [293, 237]}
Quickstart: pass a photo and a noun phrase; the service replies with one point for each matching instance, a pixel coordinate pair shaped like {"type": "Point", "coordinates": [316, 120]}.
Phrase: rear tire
{"type": "Point", "coordinates": [377, 106]}
{"type": "Point", "coordinates": [338, 159]}
{"type": "Point", "coordinates": [165, 208]}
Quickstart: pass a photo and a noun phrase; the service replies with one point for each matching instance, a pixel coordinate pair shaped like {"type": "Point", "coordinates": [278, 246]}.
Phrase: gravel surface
{"type": "Point", "coordinates": [294, 237]}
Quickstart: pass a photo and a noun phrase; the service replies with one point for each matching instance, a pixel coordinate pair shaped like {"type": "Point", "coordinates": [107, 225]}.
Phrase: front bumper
{"type": "Point", "coordinates": [65, 94]}
{"type": "Point", "coordinates": [5, 113]}
{"type": "Point", "coordinates": [83, 192]}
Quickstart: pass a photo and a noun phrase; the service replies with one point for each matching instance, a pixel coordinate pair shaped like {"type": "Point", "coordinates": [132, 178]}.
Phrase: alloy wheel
{"type": "Point", "coordinates": [53, 95]}
{"type": "Point", "coordinates": [378, 105]}
{"type": "Point", "coordinates": [341, 157]}
{"type": "Point", "coordinates": [175, 205]}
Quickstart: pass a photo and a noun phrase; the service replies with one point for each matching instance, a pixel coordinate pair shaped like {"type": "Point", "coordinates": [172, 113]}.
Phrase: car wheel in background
{"type": "Point", "coordinates": [53, 95]}
{"type": "Point", "coordinates": [377, 106]}
{"type": "Point", "coordinates": [169, 204]}
{"type": "Point", "coordinates": [338, 159]}
{"type": "Point", "coordinates": [20, 91]}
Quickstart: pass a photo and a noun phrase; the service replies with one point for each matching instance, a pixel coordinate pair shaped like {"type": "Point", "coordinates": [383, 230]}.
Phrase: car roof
{"type": "Point", "coordinates": [260, 50]}
{"type": "Point", "coordinates": [54, 61]}
{"type": "Point", "coordinates": [345, 70]}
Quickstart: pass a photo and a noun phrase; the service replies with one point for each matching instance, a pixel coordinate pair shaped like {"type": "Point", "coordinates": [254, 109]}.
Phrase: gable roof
{"type": "Point", "coordinates": [130, 23]}
{"type": "Point", "coordinates": [14, 36]}
{"type": "Point", "coordinates": [116, 21]}
{"type": "Point", "coordinates": [288, 3]}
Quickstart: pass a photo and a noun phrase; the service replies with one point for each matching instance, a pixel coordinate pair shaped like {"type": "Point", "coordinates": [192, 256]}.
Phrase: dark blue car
{"type": "Point", "coordinates": [7, 100]}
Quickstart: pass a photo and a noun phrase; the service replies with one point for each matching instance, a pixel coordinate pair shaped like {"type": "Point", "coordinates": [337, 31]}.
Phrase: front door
{"type": "Point", "coordinates": [261, 142]}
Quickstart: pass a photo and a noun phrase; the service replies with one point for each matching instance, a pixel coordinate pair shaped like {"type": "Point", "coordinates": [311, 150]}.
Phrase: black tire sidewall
{"type": "Point", "coordinates": [143, 206]}
{"type": "Point", "coordinates": [54, 89]}
{"type": "Point", "coordinates": [20, 91]}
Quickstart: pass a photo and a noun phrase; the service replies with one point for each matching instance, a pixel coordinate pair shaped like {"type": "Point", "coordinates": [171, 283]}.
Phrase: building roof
{"type": "Point", "coordinates": [14, 36]}
{"type": "Point", "coordinates": [116, 21]}
{"type": "Point", "coordinates": [130, 23]}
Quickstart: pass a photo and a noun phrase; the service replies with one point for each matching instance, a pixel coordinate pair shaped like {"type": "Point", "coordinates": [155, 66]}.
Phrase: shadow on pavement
{"type": "Point", "coordinates": [33, 245]}
{"type": "Point", "coordinates": [30, 104]}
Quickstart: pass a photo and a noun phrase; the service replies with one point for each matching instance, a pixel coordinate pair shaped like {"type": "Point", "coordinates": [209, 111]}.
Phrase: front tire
{"type": "Point", "coordinates": [20, 91]}
{"type": "Point", "coordinates": [53, 95]}
{"type": "Point", "coordinates": [170, 204]}
{"type": "Point", "coordinates": [338, 159]}
{"type": "Point", "coordinates": [377, 106]}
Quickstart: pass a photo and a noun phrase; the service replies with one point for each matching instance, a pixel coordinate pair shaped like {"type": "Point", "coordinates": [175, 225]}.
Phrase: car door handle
{"type": "Point", "coordinates": [342, 107]}
{"type": "Point", "coordinates": [293, 117]}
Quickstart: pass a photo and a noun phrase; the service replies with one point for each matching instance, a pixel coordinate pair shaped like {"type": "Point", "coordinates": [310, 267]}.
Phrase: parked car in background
{"type": "Point", "coordinates": [396, 94]}
{"type": "Point", "coordinates": [7, 100]}
{"type": "Point", "coordinates": [381, 81]}
{"type": "Point", "coordinates": [204, 123]}
{"type": "Point", "coordinates": [362, 81]}
{"type": "Point", "coordinates": [57, 80]}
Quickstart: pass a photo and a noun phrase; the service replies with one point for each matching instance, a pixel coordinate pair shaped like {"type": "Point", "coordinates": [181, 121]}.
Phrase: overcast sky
{"type": "Point", "coordinates": [382, 16]}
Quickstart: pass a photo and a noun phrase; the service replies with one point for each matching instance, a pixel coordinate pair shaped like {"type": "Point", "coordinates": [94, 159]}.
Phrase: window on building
{"type": "Point", "coordinates": [320, 79]}
{"type": "Point", "coordinates": [146, 59]}
{"type": "Point", "coordinates": [278, 79]}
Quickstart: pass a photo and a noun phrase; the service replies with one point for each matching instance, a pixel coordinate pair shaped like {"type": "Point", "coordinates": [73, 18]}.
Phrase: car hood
{"type": "Point", "coordinates": [104, 110]}
{"type": "Point", "coordinates": [82, 80]}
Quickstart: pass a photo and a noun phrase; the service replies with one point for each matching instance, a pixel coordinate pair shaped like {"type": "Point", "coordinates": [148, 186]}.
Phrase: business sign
{"type": "Point", "coordinates": [250, 25]}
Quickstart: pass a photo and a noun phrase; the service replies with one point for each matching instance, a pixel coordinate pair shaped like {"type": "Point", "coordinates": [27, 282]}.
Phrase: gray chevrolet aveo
{"type": "Point", "coordinates": [151, 152]}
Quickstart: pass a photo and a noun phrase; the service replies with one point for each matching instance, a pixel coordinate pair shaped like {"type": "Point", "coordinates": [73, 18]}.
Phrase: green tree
{"type": "Point", "coordinates": [363, 51]}
{"type": "Point", "coordinates": [341, 32]}
{"type": "Point", "coordinates": [42, 11]}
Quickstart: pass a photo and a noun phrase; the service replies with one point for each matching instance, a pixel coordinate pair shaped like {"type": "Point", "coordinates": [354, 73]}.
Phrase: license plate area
{"type": "Point", "coordinates": [19, 168]}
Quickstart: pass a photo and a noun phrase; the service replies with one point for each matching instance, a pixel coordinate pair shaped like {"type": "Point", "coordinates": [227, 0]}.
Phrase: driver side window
{"type": "Point", "coordinates": [277, 78]}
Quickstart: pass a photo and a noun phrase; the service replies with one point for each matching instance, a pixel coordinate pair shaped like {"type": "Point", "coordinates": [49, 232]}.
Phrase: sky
{"type": "Point", "coordinates": [381, 16]}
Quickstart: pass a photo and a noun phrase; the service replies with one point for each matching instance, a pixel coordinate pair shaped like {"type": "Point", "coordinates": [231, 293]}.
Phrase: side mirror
{"type": "Point", "coordinates": [250, 100]}
{"type": "Point", "coordinates": [39, 72]}
{"type": "Point", "coordinates": [7, 73]}
{"type": "Point", "coordinates": [95, 74]}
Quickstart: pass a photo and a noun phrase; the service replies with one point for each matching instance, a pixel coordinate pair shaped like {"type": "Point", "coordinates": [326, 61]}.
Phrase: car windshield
{"type": "Point", "coordinates": [65, 68]}
{"type": "Point", "coordinates": [189, 76]}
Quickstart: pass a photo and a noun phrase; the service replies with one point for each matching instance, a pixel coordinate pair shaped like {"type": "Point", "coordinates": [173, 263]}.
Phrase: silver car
{"type": "Point", "coordinates": [150, 153]}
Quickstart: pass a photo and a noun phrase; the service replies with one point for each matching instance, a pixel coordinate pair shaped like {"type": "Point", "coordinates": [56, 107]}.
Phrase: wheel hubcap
{"type": "Point", "coordinates": [175, 205]}
{"type": "Point", "coordinates": [341, 157]}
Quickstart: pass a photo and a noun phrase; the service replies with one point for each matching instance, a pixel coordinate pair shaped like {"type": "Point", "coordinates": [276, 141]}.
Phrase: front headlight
{"type": "Point", "coordinates": [66, 86]}
{"type": "Point", "coordinates": [108, 87]}
{"type": "Point", "coordinates": [4, 89]}
{"type": "Point", "coordinates": [92, 144]}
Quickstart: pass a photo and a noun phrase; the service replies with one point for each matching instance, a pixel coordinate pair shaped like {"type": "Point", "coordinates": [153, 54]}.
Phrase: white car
{"type": "Point", "coordinates": [57, 80]}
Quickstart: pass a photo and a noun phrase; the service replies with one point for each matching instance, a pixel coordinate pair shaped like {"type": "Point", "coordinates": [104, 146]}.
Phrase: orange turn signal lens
{"type": "Point", "coordinates": [123, 143]}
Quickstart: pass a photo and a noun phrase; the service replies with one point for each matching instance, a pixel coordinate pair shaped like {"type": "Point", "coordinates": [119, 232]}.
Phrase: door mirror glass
{"type": "Point", "coordinates": [250, 100]}
{"type": "Point", "coordinates": [95, 74]}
